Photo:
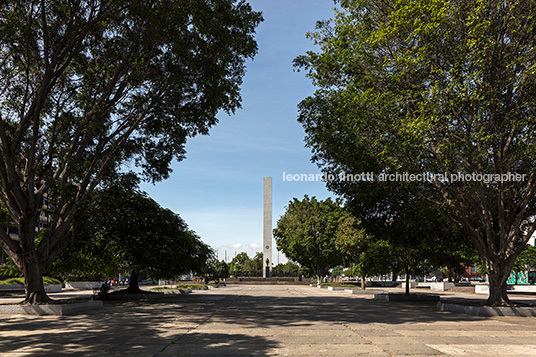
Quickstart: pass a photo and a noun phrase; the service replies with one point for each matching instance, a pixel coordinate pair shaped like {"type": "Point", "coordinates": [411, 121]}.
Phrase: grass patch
{"type": "Point", "coordinates": [339, 285]}
{"type": "Point", "coordinates": [12, 281]}
{"type": "Point", "coordinates": [180, 286]}
{"type": "Point", "coordinates": [189, 286]}
{"type": "Point", "coordinates": [20, 281]}
{"type": "Point", "coordinates": [51, 281]}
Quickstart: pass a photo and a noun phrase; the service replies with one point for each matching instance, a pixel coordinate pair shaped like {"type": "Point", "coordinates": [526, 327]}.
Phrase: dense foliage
{"type": "Point", "coordinates": [243, 265]}
{"type": "Point", "coordinates": [444, 91]}
{"type": "Point", "coordinates": [214, 270]}
{"type": "Point", "coordinates": [86, 86]}
{"type": "Point", "coordinates": [306, 233]}
{"type": "Point", "coordinates": [124, 230]}
{"type": "Point", "coordinates": [367, 254]}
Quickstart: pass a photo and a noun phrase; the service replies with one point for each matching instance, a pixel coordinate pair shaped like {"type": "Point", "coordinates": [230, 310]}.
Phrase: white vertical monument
{"type": "Point", "coordinates": [267, 229]}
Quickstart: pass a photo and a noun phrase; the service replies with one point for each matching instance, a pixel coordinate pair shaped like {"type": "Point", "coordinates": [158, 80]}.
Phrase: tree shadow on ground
{"type": "Point", "coordinates": [215, 322]}
{"type": "Point", "coordinates": [299, 311]}
{"type": "Point", "coordinates": [143, 328]}
{"type": "Point", "coordinates": [220, 344]}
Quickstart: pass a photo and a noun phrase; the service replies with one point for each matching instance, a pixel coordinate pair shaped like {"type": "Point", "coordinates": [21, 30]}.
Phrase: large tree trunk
{"type": "Point", "coordinates": [134, 286]}
{"type": "Point", "coordinates": [498, 273]}
{"type": "Point", "coordinates": [33, 282]}
{"type": "Point", "coordinates": [497, 291]}
{"type": "Point", "coordinates": [31, 266]}
{"type": "Point", "coordinates": [363, 285]}
{"type": "Point", "coordinates": [499, 250]}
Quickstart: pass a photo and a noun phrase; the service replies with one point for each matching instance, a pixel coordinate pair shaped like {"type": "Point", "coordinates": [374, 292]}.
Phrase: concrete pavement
{"type": "Point", "coordinates": [267, 320]}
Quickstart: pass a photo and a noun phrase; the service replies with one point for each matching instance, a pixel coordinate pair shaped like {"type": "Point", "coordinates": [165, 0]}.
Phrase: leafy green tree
{"type": "Point", "coordinates": [87, 86]}
{"type": "Point", "coordinates": [238, 263]}
{"type": "Point", "coordinates": [433, 87]}
{"type": "Point", "coordinates": [128, 231]}
{"type": "Point", "coordinates": [368, 255]}
{"type": "Point", "coordinates": [306, 233]}
{"type": "Point", "coordinates": [253, 266]}
{"type": "Point", "coordinates": [288, 269]}
{"type": "Point", "coordinates": [215, 270]}
{"type": "Point", "coordinates": [405, 234]}
{"type": "Point", "coordinates": [222, 271]}
{"type": "Point", "coordinates": [243, 265]}
{"type": "Point", "coordinates": [453, 259]}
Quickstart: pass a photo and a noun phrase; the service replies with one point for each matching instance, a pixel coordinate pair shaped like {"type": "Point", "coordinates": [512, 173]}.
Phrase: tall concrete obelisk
{"type": "Point", "coordinates": [267, 229]}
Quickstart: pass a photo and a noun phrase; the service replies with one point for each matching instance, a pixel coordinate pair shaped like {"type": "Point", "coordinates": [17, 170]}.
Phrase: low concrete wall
{"type": "Point", "coordinates": [412, 285]}
{"type": "Point", "coordinates": [216, 286]}
{"type": "Point", "coordinates": [382, 284]}
{"type": "Point", "coordinates": [359, 291]}
{"type": "Point", "coordinates": [482, 289]}
{"type": "Point", "coordinates": [404, 297]}
{"type": "Point", "coordinates": [52, 309]}
{"type": "Point", "coordinates": [524, 288]}
{"type": "Point", "coordinates": [423, 285]}
{"type": "Point", "coordinates": [488, 310]}
{"type": "Point", "coordinates": [53, 288]}
{"type": "Point", "coordinates": [179, 291]}
{"type": "Point", "coordinates": [441, 286]}
{"type": "Point", "coordinates": [336, 288]}
{"type": "Point", "coordinates": [83, 285]}
{"type": "Point", "coordinates": [147, 296]}
{"type": "Point", "coordinates": [11, 287]}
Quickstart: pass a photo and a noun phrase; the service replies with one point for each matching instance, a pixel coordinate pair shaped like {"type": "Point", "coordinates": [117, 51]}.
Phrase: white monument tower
{"type": "Point", "coordinates": [267, 229]}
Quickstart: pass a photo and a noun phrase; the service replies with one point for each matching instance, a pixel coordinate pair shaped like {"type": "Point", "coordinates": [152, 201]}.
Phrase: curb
{"type": "Point", "coordinates": [49, 288]}
{"type": "Point", "coordinates": [488, 310]}
{"type": "Point", "coordinates": [178, 291]}
{"type": "Point", "coordinates": [404, 297]}
{"type": "Point", "coordinates": [148, 296]}
{"type": "Point", "coordinates": [359, 291]}
{"type": "Point", "coordinates": [51, 309]}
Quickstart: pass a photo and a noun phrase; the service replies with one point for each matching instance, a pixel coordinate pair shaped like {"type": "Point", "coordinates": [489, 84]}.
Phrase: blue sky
{"type": "Point", "coordinates": [218, 188]}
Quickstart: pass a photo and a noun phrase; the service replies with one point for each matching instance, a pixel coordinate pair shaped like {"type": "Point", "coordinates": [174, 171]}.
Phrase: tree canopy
{"type": "Point", "coordinates": [214, 270]}
{"type": "Point", "coordinates": [125, 230]}
{"type": "Point", "coordinates": [441, 89]}
{"type": "Point", "coordinates": [288, 269]}
{"type": "Point", "coordinates": [306, 233]}
{"type": "Point", "coordinates": [87, 86]}
{"type": "Point", "coordinates": [243, 265]}
{"type": "Point", "coordinates": [367, 254]}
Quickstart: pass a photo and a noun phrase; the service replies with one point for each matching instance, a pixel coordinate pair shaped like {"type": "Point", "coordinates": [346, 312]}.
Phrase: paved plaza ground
{"type": "Point", "coordinates": [259, 320]}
